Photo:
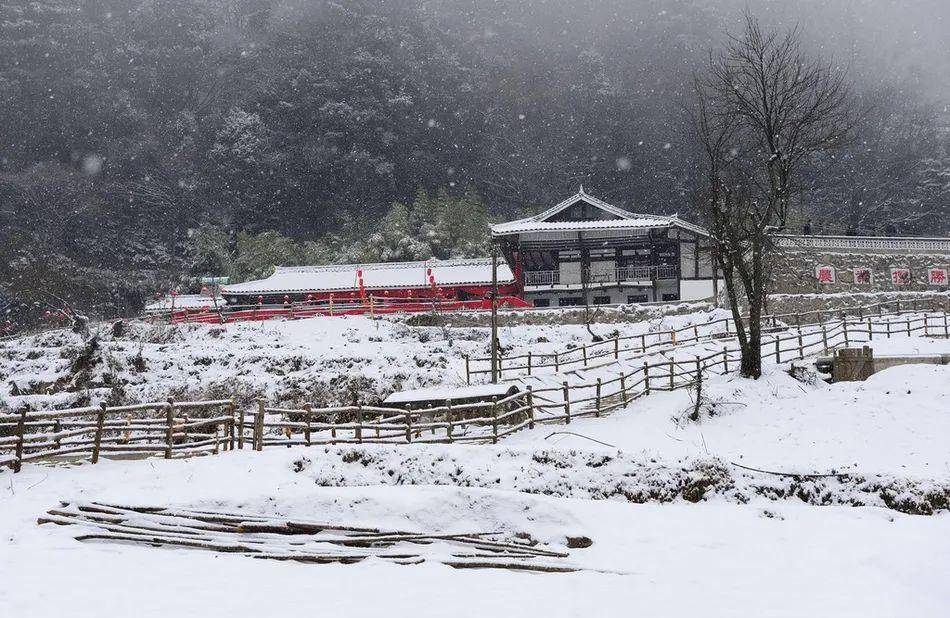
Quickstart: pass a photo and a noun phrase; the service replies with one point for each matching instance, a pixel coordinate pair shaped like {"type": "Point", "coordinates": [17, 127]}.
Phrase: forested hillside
{"type": "Point", "coordinates": [145, 142]}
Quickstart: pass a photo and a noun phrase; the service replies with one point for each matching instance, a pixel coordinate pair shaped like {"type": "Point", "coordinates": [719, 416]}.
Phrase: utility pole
{"type": "Point", "coordinates": [494, 312]}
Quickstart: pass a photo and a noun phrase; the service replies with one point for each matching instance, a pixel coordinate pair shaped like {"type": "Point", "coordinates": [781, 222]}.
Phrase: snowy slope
{"type": "Point", "coordinates": [321, 360]}
{"type": "Point", "coordinates": [898, 420]}
{"type": "Point", "coordinates": [753, 543]}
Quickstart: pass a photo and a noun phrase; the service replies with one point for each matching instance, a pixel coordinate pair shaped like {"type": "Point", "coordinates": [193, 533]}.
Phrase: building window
{"type": "Point", "coordinates": [601, 300]}
{"type": "Point", "coordinates": [542, 302]}
{"type": "Point", "coordinates": [637, 298]}
{"type": "Point", "coordinates": [671, 297]}
{"type": "Point", "coordinates": [570, 301]}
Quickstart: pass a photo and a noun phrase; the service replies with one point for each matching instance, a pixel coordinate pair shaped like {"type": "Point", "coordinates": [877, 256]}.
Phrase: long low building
{"type": "Point", "coordinates": [460, 280]}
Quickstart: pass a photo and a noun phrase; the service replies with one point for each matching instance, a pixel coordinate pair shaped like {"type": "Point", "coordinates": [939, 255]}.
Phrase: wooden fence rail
{"type": "Point", "coordinates": [531, 361]}
{"type": "Point", "coordinates": [181, 428]}
{"type": "Point", "coordinates": [170, 428]}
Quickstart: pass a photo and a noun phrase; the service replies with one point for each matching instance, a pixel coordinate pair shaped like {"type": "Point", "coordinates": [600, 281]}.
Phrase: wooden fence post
{"type": "Point", "coordinates": [699, 371]}
{"type": "Point", "coordinates": [844, 325]}
{"type": "Point", "coordinates": [359, 423]}
{"type": "Point", "coordinates": [870, 331]}
{"type": "Point", "coordinates": [20, 429]}
{"type": "Point", "coordinates": [888, 323]}
{"type": "Point", "coordinates": [57, 428]}
{"type": "Point", "coordinates": [567, 404]}
{"type": "Point", "coordinates": [529, 362]}
{"type": "Point", "coordinates": [597, 399]}
{"type": "Point", "coordinates": [584, 351]}
{"type": "Point", "coordinates": [259, 426]}
{"type": "Point", "coordinates": [494, 420]}
{"type": "Point", "coordinates": [946, 328]}
{"type": "Point", "coordinates": [232, 406]}
{"type": "Point", "coordinates": [801, 347]}
{"type": "Point", "coordinates": [408, 424]}
{"type": "Point", "coordinates": [557, 363]}
{"type": "Point", "coordinates": [643, 342]}
{"type": "Point", "coordinates": [169, 427]}
{"type": "Point", "coordinates": [646, 376]}
{"type": "Point", "coordinates": [672, 336]}
{"type": "Point", "coordinates": [778, 349]}
{"type": "Point", "coordinates": [97, 440]}
{"type": "Point", "coordinates": [908, 327]}
{"type": "Point", "coordinates": [530, 408]}
{"type": "Point", "coordinates": [725, 360]}
{"type": "Point", "coordinates": [623, 388]}
{"type": "Point", "coordinates": [617, 347]}
{"type": "Point", "coordinates": [448, 418]}
{"type": "Point", "coordinates": [241, 429]}
{"type": "Point", "coordinates": [468, 371]}
{"type": "Point", "coordinates": [306, 430]}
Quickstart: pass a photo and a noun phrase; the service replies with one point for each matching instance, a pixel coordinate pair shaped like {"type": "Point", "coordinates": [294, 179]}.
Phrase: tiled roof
{"type": "Point", "coordinates": [392, 275]}
{"type": "Point", "coordinates": [626, 220]}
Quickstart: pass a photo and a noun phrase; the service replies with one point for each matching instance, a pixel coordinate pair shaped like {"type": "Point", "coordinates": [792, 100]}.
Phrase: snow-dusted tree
{"type": "Point", "coordinates": [395, 240]}
{"type": "Point", "coordinates": [762, 109]}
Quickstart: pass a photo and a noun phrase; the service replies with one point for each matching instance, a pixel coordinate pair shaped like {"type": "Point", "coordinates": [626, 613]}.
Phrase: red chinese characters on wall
{"type": "Point", "coordinates": [863, 276]}
{"type": "Point", "coordinates": [901, 276]}
{"type": "Point", "coordinates": [825, 274]}
{"type": "Point", "coordinates": [937, 276]}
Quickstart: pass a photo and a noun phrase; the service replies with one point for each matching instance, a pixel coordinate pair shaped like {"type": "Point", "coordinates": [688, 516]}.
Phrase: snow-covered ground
{"type": "Point", "coordinates": [898, 420]}
{"type": "Point", "coordinates": [326, 361]}
{"type": "Point", "coordinates": [712, 559]}
{"type": "Point", "coordinates": [680, 524]}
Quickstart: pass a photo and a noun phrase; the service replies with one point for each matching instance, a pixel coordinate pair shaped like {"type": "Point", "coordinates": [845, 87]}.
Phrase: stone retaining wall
{"type": "Point", "coordinates": [794, 271]}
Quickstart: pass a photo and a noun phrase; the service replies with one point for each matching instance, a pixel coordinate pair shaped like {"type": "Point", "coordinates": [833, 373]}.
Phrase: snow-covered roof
{"type": "Point", "coordinates": [392, 275]}
{"type": "Point", "coordinates": [182, 301]}
{"type": "Point", "coordinates": [624, 219]}
{"type": "Point", "coordinates": [451, 393]}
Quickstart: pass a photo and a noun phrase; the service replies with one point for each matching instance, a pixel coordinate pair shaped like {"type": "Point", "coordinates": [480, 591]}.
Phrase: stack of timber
{"type": "Point", "coordinates": [277, 538]}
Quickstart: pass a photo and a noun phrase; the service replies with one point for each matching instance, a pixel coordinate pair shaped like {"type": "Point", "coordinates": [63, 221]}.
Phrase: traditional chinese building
{"type": "Point", "coordinates": [443, 280]}
{"type": "Point", "coordinates": [584, 250]}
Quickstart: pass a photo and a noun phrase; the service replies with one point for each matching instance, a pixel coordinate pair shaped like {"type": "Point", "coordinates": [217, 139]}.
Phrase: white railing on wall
{"type": "Point", "coordinates": [886, 243]}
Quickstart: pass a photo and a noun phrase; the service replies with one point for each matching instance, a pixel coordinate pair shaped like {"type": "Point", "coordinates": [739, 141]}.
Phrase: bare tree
{"type": "Point", "coordinates": [762, 109]}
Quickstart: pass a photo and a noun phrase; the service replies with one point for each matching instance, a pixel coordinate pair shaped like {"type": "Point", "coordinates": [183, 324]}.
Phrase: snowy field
{"type": "Point", "coordinates": [323, 360]}
{"type": "Point", "coordinates": [680, 559]}
{"type": "Point", "coordinates": [686, 518]}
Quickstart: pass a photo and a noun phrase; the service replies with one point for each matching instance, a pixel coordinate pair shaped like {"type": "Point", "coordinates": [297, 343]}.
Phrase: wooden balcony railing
{"type": "Point", "coordinates": [626, 273]}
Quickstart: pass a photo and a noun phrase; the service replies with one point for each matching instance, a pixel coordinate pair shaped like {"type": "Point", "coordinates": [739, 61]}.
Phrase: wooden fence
{"type": "Point", "coordinates": [170, 428]}
{"type": "Point", "coordinates": [212, 426]}
{"type": "Point", "coordinates": [531, 362]}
